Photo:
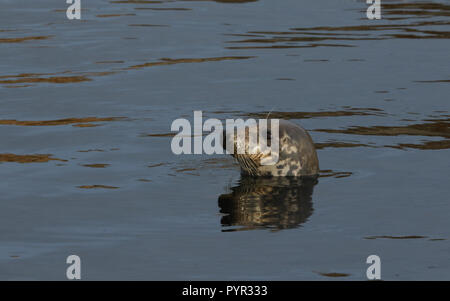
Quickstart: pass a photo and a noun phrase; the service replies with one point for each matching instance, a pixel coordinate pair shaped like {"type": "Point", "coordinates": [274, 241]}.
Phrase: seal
{"type": "Point", "coordinates": [297, 154]}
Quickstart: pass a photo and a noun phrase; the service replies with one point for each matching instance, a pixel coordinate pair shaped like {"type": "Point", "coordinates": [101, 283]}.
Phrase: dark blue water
{"type": "Point", "coordinates": [86, 166]}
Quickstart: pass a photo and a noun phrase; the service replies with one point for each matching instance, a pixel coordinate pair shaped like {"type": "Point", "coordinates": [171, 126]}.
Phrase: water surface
{"type": "Point", "coordinates": [85, 160]}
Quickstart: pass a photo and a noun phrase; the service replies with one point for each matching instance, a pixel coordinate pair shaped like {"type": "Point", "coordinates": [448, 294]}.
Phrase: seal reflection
{"type": "Point", "coordinates": [274, 203]}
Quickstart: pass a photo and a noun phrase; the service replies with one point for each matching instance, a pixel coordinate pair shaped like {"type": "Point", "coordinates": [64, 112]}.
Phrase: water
{"type": "Point", "coordinates": [85, 160]}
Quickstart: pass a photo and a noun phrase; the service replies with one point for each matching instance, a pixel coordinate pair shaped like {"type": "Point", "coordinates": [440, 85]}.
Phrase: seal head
{"type": "Point", "coordinates": [296, 153]}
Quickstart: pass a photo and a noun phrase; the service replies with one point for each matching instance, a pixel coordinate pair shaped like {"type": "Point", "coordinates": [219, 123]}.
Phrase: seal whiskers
{"type": "Point", "coordinates": [248, 164]}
